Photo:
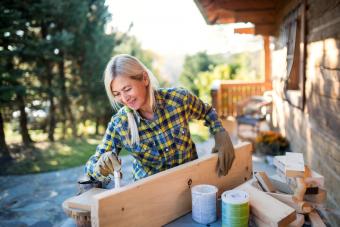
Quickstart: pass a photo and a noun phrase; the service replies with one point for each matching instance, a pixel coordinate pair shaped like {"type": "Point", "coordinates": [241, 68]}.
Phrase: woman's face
{"type": "Point", "coordinates": [130, 92]}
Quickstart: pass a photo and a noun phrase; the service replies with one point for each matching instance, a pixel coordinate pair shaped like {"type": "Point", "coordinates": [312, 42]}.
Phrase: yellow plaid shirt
{"type": "Point", "coordinates": [165, 141]}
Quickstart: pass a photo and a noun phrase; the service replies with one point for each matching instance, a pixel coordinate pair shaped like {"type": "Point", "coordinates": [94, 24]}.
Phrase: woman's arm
{"type": "Point", "coordinates": [111, 143]}
{"type": "Point", "coordinates": [197, 109]}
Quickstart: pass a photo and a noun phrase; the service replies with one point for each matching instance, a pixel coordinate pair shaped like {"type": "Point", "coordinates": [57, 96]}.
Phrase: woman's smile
{"type": "Point", "coordinates": [131, 102]}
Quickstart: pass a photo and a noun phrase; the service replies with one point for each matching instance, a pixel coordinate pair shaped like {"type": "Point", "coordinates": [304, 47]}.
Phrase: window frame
{"type": "Point", "coordinates": [294, 32]}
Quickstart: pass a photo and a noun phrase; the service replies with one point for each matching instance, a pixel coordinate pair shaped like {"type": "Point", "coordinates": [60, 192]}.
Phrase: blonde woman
{"type": "Point", "coordinates": [152, 124]}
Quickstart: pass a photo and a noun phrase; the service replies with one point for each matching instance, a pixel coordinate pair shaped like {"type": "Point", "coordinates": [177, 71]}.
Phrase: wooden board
{"type": "Point", "coordinates": [163, 197]}
{"type": "Point", "coordinates": [268, 209]}
{"type": "Point", "coordinates": [317, 198]}
{"type": "Point", "coordinates": [85, 200]}
{"type": "Point", "coordinates": [299, 221]}
{"type": "Point", "coordinates": [265, 182]}
{"type": "Point", "coordinates": [300, 206]}
{"type": "Point", "coordinates": [294, 165]}
{"type": "Point", "coordinates": [316, 220]}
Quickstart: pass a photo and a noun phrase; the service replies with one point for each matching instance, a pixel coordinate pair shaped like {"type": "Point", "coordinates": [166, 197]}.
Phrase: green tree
{"type": "Point", "coordinates": [130, 45]}
{"type": "Point", "coordinates": [193, 65]}
{"type": "Point", "coordinates": [93, 49]}
{"type": "Point", "coordinates": [204, 80]}
{"type": "Point", "coordinates": [12, 29]}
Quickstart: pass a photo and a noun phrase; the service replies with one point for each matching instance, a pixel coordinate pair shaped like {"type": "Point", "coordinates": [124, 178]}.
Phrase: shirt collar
{"type": "Point", "coordinates": [159, 100]}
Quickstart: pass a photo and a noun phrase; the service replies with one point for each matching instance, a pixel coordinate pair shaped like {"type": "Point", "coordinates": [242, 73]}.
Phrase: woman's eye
{"type": "Point", "coordinates": [127, 89]}
{"type": "Point", "coordinates": [116, 95]}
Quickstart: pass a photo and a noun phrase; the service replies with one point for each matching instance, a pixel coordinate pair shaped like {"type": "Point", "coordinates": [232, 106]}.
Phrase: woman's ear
{"type": "Point", "coordinates": [146, 80]}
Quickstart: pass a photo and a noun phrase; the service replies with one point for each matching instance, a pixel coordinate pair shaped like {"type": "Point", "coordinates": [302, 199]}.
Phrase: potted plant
{"type": "Point", "coordinates": [271, 143]}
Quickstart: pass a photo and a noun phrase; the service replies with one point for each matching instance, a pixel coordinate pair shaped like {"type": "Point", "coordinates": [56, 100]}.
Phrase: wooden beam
{"type": "Point", "coordinates": [299, 221]}
{"type": "Point", "coordinates": [283, 7]}
{"type": "Point", "coordinates": [201, 4]}
{"type": "Point", "coordinates": [300, 206]}
{"type": "Point", "coordinates": [257, 17]}
{"type": "Point", "coordinates": [250, 31]}
{"type": "Point", "coordinates": [163, 197]}
{"type": "Point", "coordinates": [221, 16]}
{"type": "Point", "coordinates": [267, 62]}
{"type": "Point", "coordinates": [236, 5]}
{"type": "Point", "coordinates": [316, 219]}
{"type": "Point", "coordinates": [264, 181]}
{"type": "Point", "coordinates": [268, 209]}
{"type": "Point", "coordinates": [84, 201]}
{"type": "Point", "coordinates": [265, 29]}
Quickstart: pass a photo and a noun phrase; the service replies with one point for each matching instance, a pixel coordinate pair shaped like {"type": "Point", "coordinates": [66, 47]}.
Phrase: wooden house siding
{"type": "Point", "coordinates": [315, 129]}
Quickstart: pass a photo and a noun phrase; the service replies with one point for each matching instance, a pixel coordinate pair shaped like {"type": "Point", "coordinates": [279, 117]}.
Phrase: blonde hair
{"type": "Point", "coordinates": [128, 66]}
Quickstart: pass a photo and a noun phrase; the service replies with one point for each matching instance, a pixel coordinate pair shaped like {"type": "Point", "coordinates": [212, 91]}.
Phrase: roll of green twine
{"type": "Point", "coordinates": [235, 208]}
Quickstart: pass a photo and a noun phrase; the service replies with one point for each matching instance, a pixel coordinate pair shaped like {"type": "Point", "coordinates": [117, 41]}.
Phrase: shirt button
{"type": "Point", "coordinates": [183, 132]}
{"type": "Point", "coordinates": [167, 149]}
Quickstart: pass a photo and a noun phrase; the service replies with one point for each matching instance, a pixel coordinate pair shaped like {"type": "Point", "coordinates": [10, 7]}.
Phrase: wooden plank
{"type": "Point", "coordinates": [316, 220]}
{"type": "Point", "coordinates": [300, 206]}
{"type": "Point", "coordinates": [163, 197]}
{"type": "Point", "coordinates": [268, 209]}
{"type": "Point", "coordinates": [316, 101]}
{"type": "Point", "coordinates": [327, 87]}
{"type": "Point", "coordinates": [265, 29]}
{"type": "Point", "coordinates": [265, 182]}
{"type": "Point", "coordinates": [325, 122]}
{"type": "Point", "coordinates": [250, 30]}
{"type": "Point", "coordinates": [223, 16]}
{"type": "Point", "coordinates": [256, 17]}
{"type": "Point", "coordinates": [299, 221]}
{"type": "Point", "coordinates": [241, 5]}
{"type": "Point", "coordinates": [317, 198]}
{"type": "Point", "coordinates": [84, 201]}
{"type": "Point", "coordinates": [267, 58]}
{"type": "Point", "coordinates": [295, 165]}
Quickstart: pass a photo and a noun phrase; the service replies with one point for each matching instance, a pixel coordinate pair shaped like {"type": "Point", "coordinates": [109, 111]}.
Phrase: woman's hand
{"type": "Point", "coordinates": [226, 153]}
{"type": "Point", "coordinates": [108, 163]}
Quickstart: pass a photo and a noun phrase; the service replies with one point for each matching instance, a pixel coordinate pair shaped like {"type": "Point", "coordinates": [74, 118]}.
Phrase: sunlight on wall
{"type": "Point", "coordinates": [315, 54]}
{"type": "Point", "coordinates": [309, 147]}
{"type": "Point", "coordinates": [278, 71]}
{"type": "Point", "coordinates": [279, 63]}
{"type": "Point", "coordinates": [331, 53]}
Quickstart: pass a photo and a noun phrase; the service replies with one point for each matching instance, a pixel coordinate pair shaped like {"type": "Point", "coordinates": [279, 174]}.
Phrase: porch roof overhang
{"type": "Point", "coordinates": [264, 14]}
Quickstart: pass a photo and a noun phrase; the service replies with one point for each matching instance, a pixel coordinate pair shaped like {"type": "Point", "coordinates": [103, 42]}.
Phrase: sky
{"type": "Point", "coordinates": [176, 27]}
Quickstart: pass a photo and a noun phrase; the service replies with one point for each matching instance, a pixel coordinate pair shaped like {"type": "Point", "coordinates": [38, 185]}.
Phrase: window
{"type": "Point", "coordinates": [292, 35]}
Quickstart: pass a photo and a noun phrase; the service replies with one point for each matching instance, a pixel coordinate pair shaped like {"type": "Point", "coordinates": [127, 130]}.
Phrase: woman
{"type": "Point", "coordinates": [153, 124]}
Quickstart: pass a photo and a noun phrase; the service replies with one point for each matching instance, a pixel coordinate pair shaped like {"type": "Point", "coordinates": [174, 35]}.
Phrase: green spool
{"type": "Point", "coordinates": [235, 208]}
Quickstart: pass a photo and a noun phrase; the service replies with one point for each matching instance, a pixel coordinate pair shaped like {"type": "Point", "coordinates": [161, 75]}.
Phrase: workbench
{"type": "Point", "coordinates": [165, 196]}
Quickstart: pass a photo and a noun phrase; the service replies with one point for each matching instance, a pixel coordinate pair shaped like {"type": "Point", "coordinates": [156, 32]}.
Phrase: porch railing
{"type": "Point", "coordinates": [227, 94]}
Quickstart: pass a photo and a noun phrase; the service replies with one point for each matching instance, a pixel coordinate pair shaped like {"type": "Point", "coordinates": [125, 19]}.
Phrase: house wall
{"type": "Point", "coordinates": [315, 131]}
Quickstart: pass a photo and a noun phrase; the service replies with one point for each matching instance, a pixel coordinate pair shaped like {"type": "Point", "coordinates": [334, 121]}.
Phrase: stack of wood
{"type": "Point", "coordinates": [291, 198]}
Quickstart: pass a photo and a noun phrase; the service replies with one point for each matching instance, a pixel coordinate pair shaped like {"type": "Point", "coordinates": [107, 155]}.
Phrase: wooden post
{"type": "Point", "coordinates": [268, 63]}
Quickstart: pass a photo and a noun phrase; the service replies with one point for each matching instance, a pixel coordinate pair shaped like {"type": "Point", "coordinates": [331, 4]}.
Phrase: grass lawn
{"type": "Point", "coordinates": [45, 156]}
{"type": "Point", "coordinates": [199, 133]}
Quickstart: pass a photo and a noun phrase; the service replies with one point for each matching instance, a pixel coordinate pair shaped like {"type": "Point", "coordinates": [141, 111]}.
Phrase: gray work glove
{"type": "Point", "coordinates": [108, 163]}
{"type": "Point", "coordinates": [226, 153]}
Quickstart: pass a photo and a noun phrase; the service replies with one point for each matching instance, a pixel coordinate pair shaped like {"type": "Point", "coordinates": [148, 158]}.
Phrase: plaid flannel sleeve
{"type": "Point", "coordinates": [197, 109]}
{"type": "Point", "coordinates": [110, 143]}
